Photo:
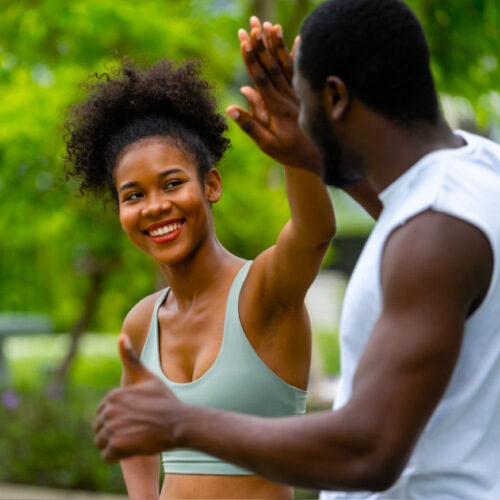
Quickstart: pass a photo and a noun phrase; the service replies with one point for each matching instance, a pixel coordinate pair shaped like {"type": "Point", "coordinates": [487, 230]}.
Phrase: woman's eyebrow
{"type": "Point", "coordinates": [170, 171]}
{"type": "Point", "coordinates": [128, 185]}
{"type": "Point", "coordinates": [160, 176]}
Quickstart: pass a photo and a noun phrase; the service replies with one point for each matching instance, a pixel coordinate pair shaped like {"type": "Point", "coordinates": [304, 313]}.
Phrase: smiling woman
{"type": "Point", "coordinates": [161, 198]}
{"type": "Point", "coordinates": [226, 333]}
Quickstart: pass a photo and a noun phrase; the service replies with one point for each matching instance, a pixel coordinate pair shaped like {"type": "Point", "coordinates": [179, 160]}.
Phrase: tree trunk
{"type": "Point", "coordinates": [60, 373]}
{"type": "Point", "coordinates": [265, 10]}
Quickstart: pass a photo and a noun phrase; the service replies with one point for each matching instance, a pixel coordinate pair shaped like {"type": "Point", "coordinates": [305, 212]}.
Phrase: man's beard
{"type": "Point", "coordinates": [340, 166]}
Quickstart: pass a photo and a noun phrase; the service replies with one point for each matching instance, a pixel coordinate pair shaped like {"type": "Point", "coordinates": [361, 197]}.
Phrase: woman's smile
{"type": "Point", "coordinates": [163, 205]}
{"type": "Point", "coordinates": [165, 231]}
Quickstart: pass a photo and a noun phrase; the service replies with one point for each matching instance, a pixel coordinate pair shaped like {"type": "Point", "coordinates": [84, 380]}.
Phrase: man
{"type": "Point", "coordinates": [417, 411]}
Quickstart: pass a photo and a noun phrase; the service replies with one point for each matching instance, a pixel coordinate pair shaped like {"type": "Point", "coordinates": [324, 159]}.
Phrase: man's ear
{"type": "Point", "coordinates": [213, 186]}
{"type": "Point", "coordinates": [336, 98]}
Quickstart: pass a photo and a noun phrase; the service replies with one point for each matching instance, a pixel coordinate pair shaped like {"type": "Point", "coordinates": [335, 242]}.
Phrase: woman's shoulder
{"type": "Point", "coordinates": [137, 322]}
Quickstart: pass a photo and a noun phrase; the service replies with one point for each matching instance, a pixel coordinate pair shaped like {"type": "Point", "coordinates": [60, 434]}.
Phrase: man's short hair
{"type": "Point", "coordinates": [378, 48]}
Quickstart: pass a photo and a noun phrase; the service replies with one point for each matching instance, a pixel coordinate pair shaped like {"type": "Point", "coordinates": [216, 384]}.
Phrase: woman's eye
{"type": "Point", "coordinates": [133, 196]}
{"type": "Point", "coordinates": [172, 184]}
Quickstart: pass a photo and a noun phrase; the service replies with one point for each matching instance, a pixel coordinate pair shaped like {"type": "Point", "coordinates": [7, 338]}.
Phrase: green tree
{"type": "Point", "coordinates": [49, 236]}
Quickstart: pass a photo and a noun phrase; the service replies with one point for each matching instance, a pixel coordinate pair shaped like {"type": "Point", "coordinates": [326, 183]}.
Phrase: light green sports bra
{"type": "Point", "coordinates": [238, 380]}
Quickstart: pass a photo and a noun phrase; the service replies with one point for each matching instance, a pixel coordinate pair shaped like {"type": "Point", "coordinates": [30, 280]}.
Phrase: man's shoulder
{"type": "Point", "coordinates": [435, 249]}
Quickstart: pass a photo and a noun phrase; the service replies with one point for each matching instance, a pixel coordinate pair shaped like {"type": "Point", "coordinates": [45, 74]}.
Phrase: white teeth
{"type": "Point", "coordinates": [165, 229]}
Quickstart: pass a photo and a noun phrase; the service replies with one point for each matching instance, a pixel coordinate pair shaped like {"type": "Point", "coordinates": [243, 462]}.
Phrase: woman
{"type": "Point", "coordinates": [226, 332]}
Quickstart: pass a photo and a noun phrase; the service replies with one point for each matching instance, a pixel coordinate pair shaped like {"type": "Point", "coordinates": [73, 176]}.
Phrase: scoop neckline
{"type": "Point", "coordinates": [212, 366]}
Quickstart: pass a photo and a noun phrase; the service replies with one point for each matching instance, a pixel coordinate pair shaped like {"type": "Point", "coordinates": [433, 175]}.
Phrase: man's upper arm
{"type": "Point", "coordinates": [435, 270]}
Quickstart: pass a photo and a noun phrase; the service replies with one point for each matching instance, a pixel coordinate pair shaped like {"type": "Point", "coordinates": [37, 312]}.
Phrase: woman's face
{"type": "Point", "coordinates": [163, 206]}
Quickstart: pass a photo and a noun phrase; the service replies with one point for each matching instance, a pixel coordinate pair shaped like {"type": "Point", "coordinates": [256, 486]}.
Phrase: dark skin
{"type": "Point", "coordinates": [158, 183]}
{"type": "Point", "coordinates": [274, 108]}
{"type": "Point", "coordinates": [435, 273]}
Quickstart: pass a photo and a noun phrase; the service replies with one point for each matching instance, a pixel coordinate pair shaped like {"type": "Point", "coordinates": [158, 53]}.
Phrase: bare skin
{"type": "Point", "coordinates": [200, 272]}
{"type": "Point", "coordinates": [272, 292]}
{"type": "Point", "coordinates": [270, 66]}
{"type": "Point", "coordinates": [365, 444]}
{"type": "Point", "coordinates": [156, 181]}
{"type": "Point", "coordinates": [435, 273]}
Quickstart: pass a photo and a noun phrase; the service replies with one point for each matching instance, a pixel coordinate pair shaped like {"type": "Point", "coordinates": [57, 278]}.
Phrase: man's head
{"type": "Point", "coordinates": [372, 51]}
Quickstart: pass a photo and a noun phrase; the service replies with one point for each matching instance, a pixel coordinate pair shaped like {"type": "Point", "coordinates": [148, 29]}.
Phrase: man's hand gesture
{"type": "Point", "coordinates": [274, 109]}
{"type": "Point", "coordinates": [136, 419]}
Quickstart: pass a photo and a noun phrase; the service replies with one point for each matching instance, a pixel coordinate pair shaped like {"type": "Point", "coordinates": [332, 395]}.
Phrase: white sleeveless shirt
{"type": "Point", "coordinates": [458, 453]}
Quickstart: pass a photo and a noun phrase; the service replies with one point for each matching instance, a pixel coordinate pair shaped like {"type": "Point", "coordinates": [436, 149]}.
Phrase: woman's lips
{"type": "Point", "coordinates": [164, 233]}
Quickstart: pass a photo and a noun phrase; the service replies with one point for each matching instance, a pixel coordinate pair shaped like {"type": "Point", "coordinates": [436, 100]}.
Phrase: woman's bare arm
{"type": "Point", "coordinates": [403, 372]}
{"type": "Point", "coordinates": [291, 265]}
{"type": "Point", "coordinates": [286, 270]}
{"type": "Point", "coordinates": [141, 473]}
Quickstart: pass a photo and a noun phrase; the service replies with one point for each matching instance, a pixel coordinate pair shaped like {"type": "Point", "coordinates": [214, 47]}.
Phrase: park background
{"type": "Point", "coordinates": [65, 257]}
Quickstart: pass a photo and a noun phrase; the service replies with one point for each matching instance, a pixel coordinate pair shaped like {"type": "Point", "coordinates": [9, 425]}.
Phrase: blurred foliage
{"type": "Point", "coordinates": [52, 443]}
{"type": "Point", "coordinates": [47, 46]}
{"type": "Point", "coordinates": [463, 38]}
{"type": "Point", "coordinates": [48, 441]}
{"type": "Point", "coordinates": [51, 438]}
{"type": "Point", "coordinates": [328, 346]}
{"type": "Point", "coordinates": [51, 241]}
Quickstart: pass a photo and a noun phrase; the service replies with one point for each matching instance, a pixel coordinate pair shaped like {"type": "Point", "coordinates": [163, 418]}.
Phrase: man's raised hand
{"type": "Point", "coordinates": [274, 109]}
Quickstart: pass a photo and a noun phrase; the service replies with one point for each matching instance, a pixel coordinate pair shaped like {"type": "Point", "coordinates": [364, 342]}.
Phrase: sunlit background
{"type": "Point", "coordinates": [67, 274]}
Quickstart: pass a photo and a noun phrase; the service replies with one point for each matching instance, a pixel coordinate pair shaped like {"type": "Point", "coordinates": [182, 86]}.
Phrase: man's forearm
{"type": "Point", "coordinates": [303, 451]}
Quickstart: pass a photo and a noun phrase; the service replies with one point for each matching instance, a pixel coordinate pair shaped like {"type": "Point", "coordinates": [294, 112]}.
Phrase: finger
{"type": "Point", "coordinates": [101, 406]}
{"type": "Point", "coordinates": [101, 439]}
{"type": "Point", "coordinates": [295, 44]}
{"type": "Point", "coordinates": [110, 454]}
{"type": "Point", "coordinates": [257, 107]}
{"type": "Point", "coordinates": [256, 24]}
{"type": "Point", "coordinates": [268, 62]}
{"type": "Point", "coordinates": [268, 28]}
{"type": "Point", "coordinates": [251, 126]}
{"type": "Point", "coordinates": [258, 73]}
{"type": "Point", "coordinates": [281, 51]}
{"type": "Point", "coordinates": [243, 35]}
{"type": "Point", "coordinates": [131, 361]}
{"type": "Point", "coordinates": [102, 414]}
{"type": "Point", "coordinates": [98, 423]}
{"type": "Point", "coordinates": [267, 31]}
{"type": "Point", "coordinates": [116, 448]}
{"type": "Point", "coordinates": [106, 399]}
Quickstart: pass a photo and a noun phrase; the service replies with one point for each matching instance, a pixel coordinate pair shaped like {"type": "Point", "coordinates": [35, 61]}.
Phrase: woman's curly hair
{"type": "Point", "coordinates": [134, 102]}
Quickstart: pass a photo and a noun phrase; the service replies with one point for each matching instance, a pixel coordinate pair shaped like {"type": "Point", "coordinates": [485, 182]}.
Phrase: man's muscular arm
{"type": "Point", "coordinates": [435, 271]}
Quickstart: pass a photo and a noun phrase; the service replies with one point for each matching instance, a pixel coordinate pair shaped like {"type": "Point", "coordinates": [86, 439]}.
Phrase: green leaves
{"type": "Point", "coordinates": [463, 38]}
{"type": "Point", "coordinates": [47, 47]}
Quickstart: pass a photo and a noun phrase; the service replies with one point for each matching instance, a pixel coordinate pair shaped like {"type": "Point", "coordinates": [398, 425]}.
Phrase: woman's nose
{"type": "Point", "coordinates": [156, 205]}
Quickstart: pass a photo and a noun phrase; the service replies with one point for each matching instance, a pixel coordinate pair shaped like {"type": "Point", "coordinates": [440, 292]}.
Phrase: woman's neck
{"type": "Point", "coordinates": [190, 279]}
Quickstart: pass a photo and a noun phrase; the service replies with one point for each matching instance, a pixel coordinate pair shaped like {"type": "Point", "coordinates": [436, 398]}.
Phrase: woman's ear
{"type": "Point", "coordinates": [336, 98]}
{"type": "Point", "coordinates": [213, 186]}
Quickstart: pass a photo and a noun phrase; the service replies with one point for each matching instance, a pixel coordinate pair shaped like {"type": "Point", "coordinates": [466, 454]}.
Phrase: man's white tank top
{"type": "Point", "coordinates": [458, 453]}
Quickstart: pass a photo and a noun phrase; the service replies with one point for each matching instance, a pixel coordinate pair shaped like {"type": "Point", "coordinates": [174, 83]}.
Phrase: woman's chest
{"type": "Point", "coordinates": [189, 343]}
